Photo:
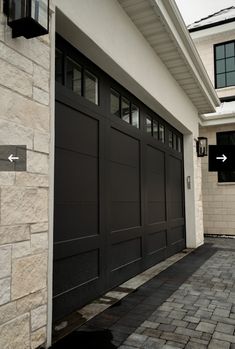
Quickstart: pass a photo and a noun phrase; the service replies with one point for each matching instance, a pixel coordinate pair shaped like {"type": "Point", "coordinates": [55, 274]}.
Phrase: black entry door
{"type": "Point", "coordinates": [119, 196]}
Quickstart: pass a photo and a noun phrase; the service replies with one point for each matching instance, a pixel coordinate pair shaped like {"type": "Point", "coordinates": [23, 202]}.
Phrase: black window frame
{"type": "Point", "coordinates": [224, 59]}
{"type": "Point", "coordinates": [225, 176]}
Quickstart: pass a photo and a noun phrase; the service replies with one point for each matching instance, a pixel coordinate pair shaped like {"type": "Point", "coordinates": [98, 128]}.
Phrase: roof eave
{"type": "Point", "coordinates": [176, 26]}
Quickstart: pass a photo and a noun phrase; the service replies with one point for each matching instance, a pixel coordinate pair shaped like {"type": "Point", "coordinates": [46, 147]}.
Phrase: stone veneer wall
{"type": "Point", "coordinates": [218, 198]}
{"type": "Point", "coordinates": [24, 119]}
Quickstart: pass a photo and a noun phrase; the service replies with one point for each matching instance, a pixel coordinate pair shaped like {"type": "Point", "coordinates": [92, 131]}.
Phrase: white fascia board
{"type": "Point", "coordinates": [176, 27]}
{"type": "Point", "coordinates": [217, 119]}
{"type": "Point", "coordinates": [218, 29]}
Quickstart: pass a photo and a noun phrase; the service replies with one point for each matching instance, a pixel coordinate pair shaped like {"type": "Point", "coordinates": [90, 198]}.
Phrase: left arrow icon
{"type": "Point", "coordinates": [11, 158]}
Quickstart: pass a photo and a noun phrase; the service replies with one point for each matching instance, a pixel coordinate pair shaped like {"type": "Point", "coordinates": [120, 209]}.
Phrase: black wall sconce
{"type": "Point", "coordinates": [202, 143]}
{"type": "Point", "coordinates": [28, 18]}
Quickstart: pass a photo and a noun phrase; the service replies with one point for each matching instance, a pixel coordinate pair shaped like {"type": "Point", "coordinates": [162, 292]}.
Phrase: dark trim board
{"type": "Point", "coordinates": [119, 194]}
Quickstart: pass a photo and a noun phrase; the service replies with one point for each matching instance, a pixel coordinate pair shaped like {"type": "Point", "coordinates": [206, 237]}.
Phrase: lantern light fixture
{"type": "Point", "coordinates": [28, 18]}
{"type": "Point", "coordinates": [202, 145]}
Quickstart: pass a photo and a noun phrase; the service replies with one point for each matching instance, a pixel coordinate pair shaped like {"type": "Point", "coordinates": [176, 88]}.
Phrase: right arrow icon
{"type": "Point", "coordinates": [223, 158]}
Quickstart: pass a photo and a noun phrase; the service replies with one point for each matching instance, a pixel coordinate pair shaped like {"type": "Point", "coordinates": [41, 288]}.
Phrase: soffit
{"type": "Point", "coordinates": [152, 24]}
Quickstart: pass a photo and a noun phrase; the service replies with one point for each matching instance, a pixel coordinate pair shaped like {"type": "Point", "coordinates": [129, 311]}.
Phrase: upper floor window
{"type": "Point", "coordinates": [226, 138]}
{"type": "Point", "coordinates": [225, 64]}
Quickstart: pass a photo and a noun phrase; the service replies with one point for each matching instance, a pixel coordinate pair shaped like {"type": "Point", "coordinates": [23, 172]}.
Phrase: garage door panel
{"type": "Point", "coordinates": [175, 234]}
{"type": "Point", "coordinates": [76, 220]}
{"type": "Point", "coordinates": [125, 252]}
{"type": "Point", "coordinates": [75, 298]}
{"type": "Point", "coordinates": [155, 160]}
{"type": "Point", "coordinates": [124, 149]}
{"type": "Point", "coordinates": [156, 241]}
{"type": "Point", "coordinates": [175, 188]}
{"type": "Point", "coordinates": [156, 186]}
{"type": "Point", "coordinates": [73, 128]}
{"type": "Point", "coordinates": [124, 215]}
{"type": "Point", "coordinates": [77, 179]}
{"type": "Point", "coordinates": [156, 212]}
{"type": "Point", "coordinates": [86, 266]}
{"type": "Point", "coordinates": [125, 183]}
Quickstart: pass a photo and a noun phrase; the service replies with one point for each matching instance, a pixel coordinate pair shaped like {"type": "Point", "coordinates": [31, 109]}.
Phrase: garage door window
{"type": "Point", "coordinates": [91, 87]}
{"type": "Point", "coordinates": [73, 76]}
{"type": "Point", "coordinates": [148, 125]}
{"type": "Point", "coordinates": [123, 108]}
{"type": "Point", "coordinates": [162, 133]}
{"type": "Point", "coordinates": [115, 103]}
{"type": "Point", "coordinates": [135, 116]}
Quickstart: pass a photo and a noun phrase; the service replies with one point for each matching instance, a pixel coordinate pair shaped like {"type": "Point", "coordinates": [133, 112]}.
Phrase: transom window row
{"type": "Point", "coordinates": [75, 77]}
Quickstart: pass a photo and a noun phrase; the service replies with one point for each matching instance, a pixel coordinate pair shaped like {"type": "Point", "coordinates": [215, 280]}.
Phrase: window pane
{"type": "Point", "coordinates": [39, 10]}
{"type": "Point", "coordinates": [230, 64]}
{"type": "Point", "coordinates": [59, 66]}
{"type": "Point", "coordinates": [219, 51]}
{"type": "Point", "coordinates": [155, 129]}
{"type": "Point", "coordinates": [74, 76]}
{"type": "Point", "coordinates": [170, 139]}
{"type": "Point", "coordinates": [220, 66]}
{"type": "Point", "coordinates": [135, 116]}
{"type": "Point", "coordinates": [148, 125]}
{"type": "Point", "coordinates": [220, 80]}
{"type": "Point", "coordinates": [115, 105]}
{"type": "Point", "coordinates": [174, 141]}
{"type": "Point", "coordinates": [230, 79]}
{"type": "Point", "coordinates": [179, 145]}
{"type": "Point", "coordinates": [18, 9]}
{"type": "Point", "coordinates": [162, 133]}
{"type": "Point", "coordinates": [229, 49]}
{"type": "Point", "coordinates": [125, 110]}
{"type": "Point", "coordinates": [91, 87]}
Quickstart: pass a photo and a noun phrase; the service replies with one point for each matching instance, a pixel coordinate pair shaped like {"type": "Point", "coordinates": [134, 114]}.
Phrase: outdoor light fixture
{"type": "Point", "coordinates": [202, 146]}
{"type": "Point", "coordinates": [28, 18]}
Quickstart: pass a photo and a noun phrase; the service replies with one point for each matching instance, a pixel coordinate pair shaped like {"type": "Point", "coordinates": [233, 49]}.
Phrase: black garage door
{"type": "Point", "coordinates": [119, 197]}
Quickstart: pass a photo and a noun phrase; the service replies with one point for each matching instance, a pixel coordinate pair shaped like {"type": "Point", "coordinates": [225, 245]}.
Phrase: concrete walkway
{"type": "Point", "coordinates": [191, 304]}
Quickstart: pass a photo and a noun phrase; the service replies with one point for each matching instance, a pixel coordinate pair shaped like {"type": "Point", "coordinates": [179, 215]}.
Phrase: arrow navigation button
{"type": "Point", "coordinates": [223, 158]}
{"type": "Point", "coordinates": [11, 158]}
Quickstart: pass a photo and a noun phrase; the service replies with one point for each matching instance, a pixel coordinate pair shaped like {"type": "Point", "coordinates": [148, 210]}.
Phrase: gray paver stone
{"type": "Point", "coordinates": [205, 327]}
{"type": "Point", "coordinates": [217, 344]}
{"type": "Point", "coordinates": [225, 328]}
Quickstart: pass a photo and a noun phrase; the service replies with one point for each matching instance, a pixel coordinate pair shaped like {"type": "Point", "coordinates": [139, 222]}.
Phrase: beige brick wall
{"type": "Point", "coordinates": [24, 119]}
{"type": "Point", "coordinates": [205, 47]}
{"type": "Point", "coordinates": [218, 198]}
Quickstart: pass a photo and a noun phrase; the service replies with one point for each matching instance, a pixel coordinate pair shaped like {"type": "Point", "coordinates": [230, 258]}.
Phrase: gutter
{"type": "Point", "coordinates": [176, 27]}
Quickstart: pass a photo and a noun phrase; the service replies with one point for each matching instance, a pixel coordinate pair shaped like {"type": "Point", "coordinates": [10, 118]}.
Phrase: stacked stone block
{"type": "Point", "coordinates": [25, 120]}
